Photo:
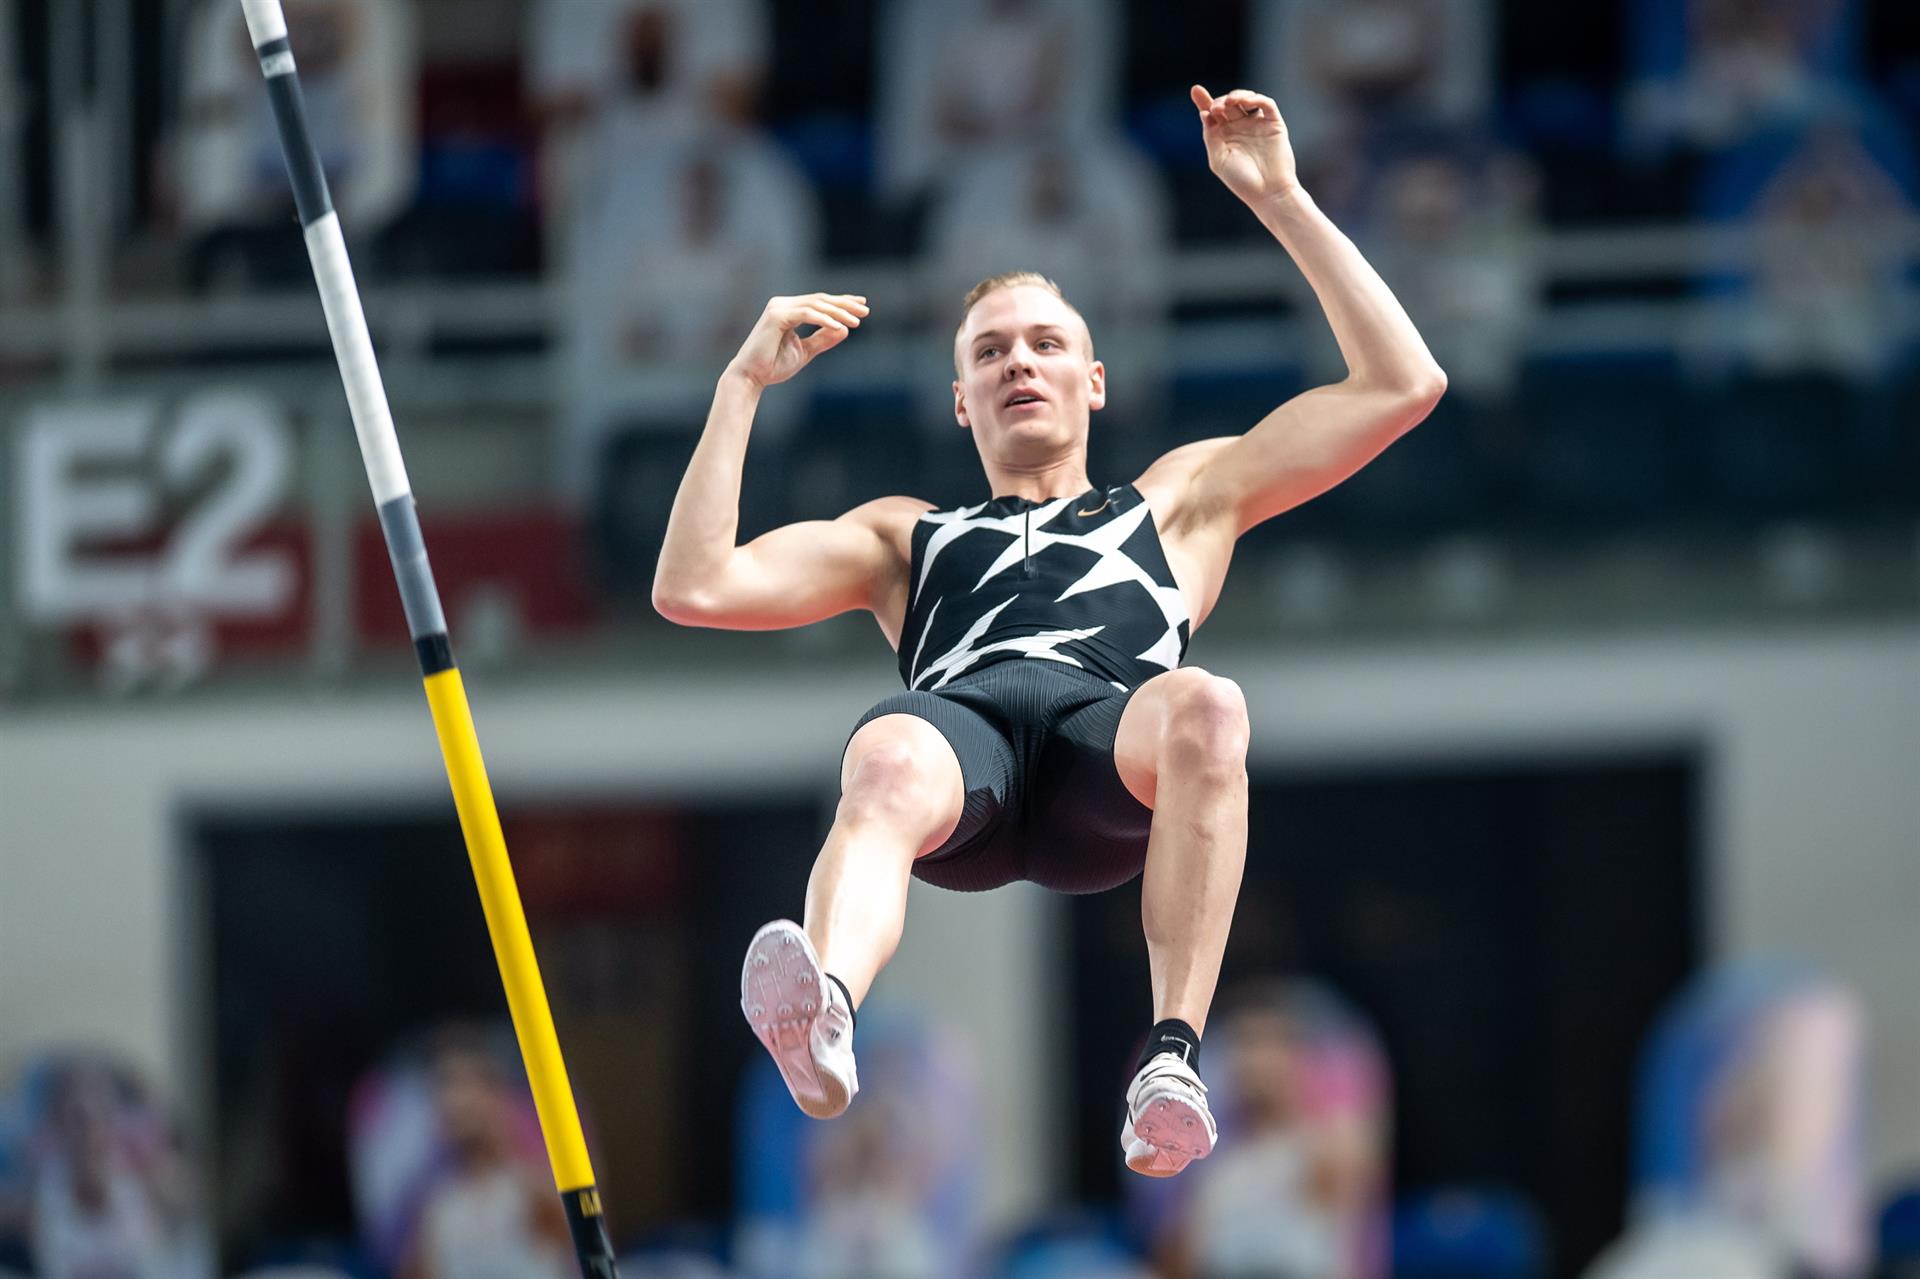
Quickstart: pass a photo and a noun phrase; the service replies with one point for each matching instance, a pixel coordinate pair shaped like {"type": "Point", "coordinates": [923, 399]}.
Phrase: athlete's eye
{"type": "Point", "coordinates": [1043, 343]}
{"type": "Point", "coordinates": [986, 352]}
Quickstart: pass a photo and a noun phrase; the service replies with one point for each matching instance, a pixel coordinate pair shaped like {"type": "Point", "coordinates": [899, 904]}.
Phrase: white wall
{"type": "Point", "coordinates": [1812, 813]}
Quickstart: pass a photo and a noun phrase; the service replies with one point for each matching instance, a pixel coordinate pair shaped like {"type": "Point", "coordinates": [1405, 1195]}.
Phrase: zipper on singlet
{"type": "Point", "coordinates": [1026, 538]}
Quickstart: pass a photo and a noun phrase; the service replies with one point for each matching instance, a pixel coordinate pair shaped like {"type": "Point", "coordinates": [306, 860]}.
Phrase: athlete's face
{"type": "Point", "coordinates": [1027, 379]}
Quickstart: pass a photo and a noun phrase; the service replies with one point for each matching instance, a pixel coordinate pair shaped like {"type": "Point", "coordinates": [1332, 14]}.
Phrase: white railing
{"type": "Point", "coordinates": [408, 318]}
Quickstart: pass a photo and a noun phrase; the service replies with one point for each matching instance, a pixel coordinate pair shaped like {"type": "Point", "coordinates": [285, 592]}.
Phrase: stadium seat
{"type": "Point", "coordinates": [1080, 1244]}
{"type": "Point", "coordinates": [1468, 1233]}
{"type": "Point", "coordinates": [1900, 1233]}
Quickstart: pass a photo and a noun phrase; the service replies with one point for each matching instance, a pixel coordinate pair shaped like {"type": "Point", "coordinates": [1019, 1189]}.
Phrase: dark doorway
{"type": "Point", "coordinates": [1511, 930]}
{"type": "Point", "coordinates": [337, 941]}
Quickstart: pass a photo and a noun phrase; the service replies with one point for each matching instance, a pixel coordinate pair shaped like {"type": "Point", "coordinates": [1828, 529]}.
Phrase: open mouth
{"type": "Point", "coordinates": [1020, 398]}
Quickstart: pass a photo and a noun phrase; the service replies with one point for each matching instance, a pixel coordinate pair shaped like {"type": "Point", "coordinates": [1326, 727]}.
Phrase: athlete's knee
{"type": "Point", "coordinates": [1206, 727]}
{"type": "Point", "coordinates": [898, 778]}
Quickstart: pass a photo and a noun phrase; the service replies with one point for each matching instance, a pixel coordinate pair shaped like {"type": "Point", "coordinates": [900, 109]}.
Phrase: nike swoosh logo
{"type": "Point", "coordinates": [1096, 510]}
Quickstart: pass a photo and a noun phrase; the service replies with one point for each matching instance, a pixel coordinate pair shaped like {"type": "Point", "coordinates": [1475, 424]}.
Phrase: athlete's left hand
{"type": "Point", "coordinates": [1247, 146]}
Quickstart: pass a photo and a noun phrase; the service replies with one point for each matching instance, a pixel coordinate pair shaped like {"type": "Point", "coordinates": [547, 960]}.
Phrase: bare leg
{"type": "Point", "coordinates": [1182, 750]}
{"type": "Point", "coordinates": [900, 797]}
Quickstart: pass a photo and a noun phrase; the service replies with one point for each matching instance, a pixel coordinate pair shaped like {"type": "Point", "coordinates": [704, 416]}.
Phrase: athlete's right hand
{"type": "Point", "coordinates": [775, 351]}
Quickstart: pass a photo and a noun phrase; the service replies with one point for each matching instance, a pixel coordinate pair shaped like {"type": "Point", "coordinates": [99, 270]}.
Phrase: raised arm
{"type": "Point", "coordinates": [1318, 438]}
{"type": "Point", "coordinates": [796, 574]}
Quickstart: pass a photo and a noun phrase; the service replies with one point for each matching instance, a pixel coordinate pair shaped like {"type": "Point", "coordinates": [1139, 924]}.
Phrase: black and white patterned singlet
{"type": "Point", "coordinates": [1080, 580]}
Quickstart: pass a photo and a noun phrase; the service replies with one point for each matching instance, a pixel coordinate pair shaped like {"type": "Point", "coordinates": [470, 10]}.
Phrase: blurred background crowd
{"type": "Point", "coordinates": [1576, 938]}
{"type": "Point", "coordinates": [1746, 1162]}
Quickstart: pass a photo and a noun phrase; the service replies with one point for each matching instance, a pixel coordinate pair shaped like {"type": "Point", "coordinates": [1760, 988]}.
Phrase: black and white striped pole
{"type": "Point", "coordinates": [446, 696]}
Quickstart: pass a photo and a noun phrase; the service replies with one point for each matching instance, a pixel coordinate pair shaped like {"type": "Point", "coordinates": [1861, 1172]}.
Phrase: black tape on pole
{"type": "Point", "coordinates": [589, 1228]}
{"type": "Point", "coordinates": [310, 195]}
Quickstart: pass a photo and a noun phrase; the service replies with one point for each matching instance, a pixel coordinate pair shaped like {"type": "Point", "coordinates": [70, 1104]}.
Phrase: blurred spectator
{"type": "Point", "coordinates": [1456, 234]}
{"type": "Point", "coordinates": [674, 264]}
{"type": "Point", "coordinates": [678, 272]}
{"type": "Point", "coordinates": [1750, 1131]}
{"type": "Point", "coordinates": [1298, 1185]}
{"type": "Point", "coordinates": [448, 1166]}
{"type": "Point", "coordinates": [681, 63]}
{"type": "Point", "coordinates": [1815, 316]}
{"type": "Point", "coordinates": [1686, 1249]}
{"type": "Point", "coordinates": [1347, 72]}
{"type": "Point", "coordinates": [1709, 74]}
{"type": "Point", "coordinates": [869, 1182]}
{"type": "Point", "coordinates": [1088, 214]}
{"type": "Point", "coordinates": [496, 1215]}
{"type": "Point", "coordinates": [110, 1190]}
{"type": "Point", "coordinates": [963, 75]}
{"type": "Point", "coordinates": [1452, 226]}
{"type": "Point", "coordinates": [888, 1191]}
{"type": "Point", "coordinates": [358, 64]}
{"type": "Point", "coordinates": [1827, 293]}
{"type": "Point", "coordinates": [607, 77]}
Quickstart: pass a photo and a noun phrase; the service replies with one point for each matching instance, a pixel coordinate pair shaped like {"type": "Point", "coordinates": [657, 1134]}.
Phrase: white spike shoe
{"type": "Point", "coordinates": [1168, 1124]}
{"type": "Point", "coordinates": [800, 1017]}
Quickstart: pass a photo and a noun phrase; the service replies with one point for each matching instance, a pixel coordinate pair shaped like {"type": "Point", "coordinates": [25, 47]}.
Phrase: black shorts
{"type": "Point", "coordinates": [1044, 800]}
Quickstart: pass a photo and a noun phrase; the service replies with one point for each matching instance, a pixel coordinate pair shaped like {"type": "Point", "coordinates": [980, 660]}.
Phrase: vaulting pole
{"type": "Point", "coordinates": [426, 620]}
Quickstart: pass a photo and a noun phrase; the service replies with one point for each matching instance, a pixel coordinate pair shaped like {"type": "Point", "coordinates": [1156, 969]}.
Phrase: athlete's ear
{"type": "Point", "coordinates": [1096, 385]}
{"type": "Point", "coordinates": [960, 407]}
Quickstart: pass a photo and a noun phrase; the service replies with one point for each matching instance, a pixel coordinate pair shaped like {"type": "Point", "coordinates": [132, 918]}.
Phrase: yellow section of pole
{"type": "Point", "coordinates": [507, 925]}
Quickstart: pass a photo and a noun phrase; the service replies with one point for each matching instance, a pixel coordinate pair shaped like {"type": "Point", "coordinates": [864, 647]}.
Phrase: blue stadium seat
{"type": "Point", "coordinates": [1162, 126]}
{"type": "Point", "coordinates": [1560, 112]}
{"type": "Point", "coordinates": [1468, 1233]}
{"type": "Point", "coordinates": [685, 1250]}
{"type": "Point", "coordinates": [315, 1258]}
{"type": "Point", "coordinates": [1080, 1244]}
{"type": "Point", "coordinates": [834, 150]}
{"type": "Point", "coordinates": [1900, 1231]}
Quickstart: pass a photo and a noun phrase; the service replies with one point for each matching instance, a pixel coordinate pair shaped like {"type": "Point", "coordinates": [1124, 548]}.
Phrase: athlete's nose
{"type": "Point", "coordinates": [1020, 362]}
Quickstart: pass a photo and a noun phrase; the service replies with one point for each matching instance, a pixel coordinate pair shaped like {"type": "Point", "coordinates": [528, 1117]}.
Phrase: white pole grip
{"type": "Point", "coordinates": [265, 21]}
{"type": "Point", "coordinates": [353, 348]}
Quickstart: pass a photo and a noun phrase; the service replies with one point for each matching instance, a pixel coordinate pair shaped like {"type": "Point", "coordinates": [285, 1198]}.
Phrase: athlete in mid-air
{"type": "Point", "coordinates": [1048, 731]}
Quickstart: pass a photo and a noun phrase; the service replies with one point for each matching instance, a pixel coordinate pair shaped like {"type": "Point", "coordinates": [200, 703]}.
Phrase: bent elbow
{"type": "Point", "coordinates": [1428, 388]}
{"type": "Point", "coordinates": [1421, 393]}
{"type": "Point", "coordinates": [1409, 392]}
{"type": "Point", "coordinates": [678, 605]}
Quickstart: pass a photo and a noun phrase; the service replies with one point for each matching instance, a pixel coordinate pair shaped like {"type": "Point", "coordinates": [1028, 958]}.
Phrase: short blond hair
{"type": "Point", "coordinates": [1013, 280]}
{"type": "Point", "coordinates": [1008, 280]}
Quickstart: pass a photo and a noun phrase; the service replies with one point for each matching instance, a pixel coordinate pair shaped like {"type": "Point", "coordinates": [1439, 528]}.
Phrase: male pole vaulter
{"type": "Point", "coordinates": [1048, 731]}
